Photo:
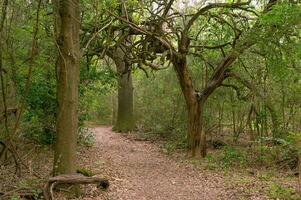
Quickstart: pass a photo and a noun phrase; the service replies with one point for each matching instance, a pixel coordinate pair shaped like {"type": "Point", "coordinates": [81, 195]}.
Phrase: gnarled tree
{"type": "Point", "coordinates": [176, 36]}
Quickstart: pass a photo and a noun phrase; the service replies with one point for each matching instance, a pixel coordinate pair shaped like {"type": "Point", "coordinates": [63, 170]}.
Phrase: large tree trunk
{"type": "Point", "coordinates": [67, 23]}
{"type": "Point", "coordinates": [125, 112]}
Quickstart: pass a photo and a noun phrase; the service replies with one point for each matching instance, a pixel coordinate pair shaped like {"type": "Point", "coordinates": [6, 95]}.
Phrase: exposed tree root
{"type": "Point", "coordinates": [72, 179]}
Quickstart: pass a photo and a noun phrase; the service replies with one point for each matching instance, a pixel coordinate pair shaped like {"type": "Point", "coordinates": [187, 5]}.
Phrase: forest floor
{"type": "Point", "coordinates": [139, 169]}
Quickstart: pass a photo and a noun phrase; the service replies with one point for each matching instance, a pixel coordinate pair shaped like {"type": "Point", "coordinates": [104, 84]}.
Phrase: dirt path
{"type": "Point", "coordinates": [139, 171]}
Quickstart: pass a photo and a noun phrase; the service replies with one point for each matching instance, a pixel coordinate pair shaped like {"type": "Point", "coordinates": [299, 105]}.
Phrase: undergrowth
{"type": "Point", "coordinates": [277, 191]}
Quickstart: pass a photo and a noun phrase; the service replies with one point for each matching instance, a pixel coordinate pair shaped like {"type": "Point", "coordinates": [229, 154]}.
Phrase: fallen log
{"type": "Point", "coordinates": [72, 179]}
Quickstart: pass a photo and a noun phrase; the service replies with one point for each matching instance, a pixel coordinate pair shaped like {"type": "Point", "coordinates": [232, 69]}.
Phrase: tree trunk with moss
{"type": "Point", "coordinates": [67, 25]}
{"type": "Point", "coordinates": [125, 112]}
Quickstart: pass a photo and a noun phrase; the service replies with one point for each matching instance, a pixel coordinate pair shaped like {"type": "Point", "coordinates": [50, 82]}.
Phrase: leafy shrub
{"type": "Point", "coordinates": [96, 86]}
{"type": "Point", "coordinates": [270, 152]}
{"type": "Point", "coordinates": [37, 130]}
{"type": "Point", "coordinates": [231, 156]}
{"type": "Point", "coordinates": [38, 120]}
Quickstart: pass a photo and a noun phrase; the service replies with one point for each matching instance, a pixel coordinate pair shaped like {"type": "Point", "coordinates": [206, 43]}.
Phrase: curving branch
{"type": "Point", "coordinates": [209, 7]}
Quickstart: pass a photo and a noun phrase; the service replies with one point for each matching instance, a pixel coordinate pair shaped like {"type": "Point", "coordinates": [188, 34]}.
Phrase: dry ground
{"type": "Point", "coordinates": [139, 170]}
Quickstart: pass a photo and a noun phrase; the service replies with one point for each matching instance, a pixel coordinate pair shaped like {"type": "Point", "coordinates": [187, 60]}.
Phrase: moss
{"type": "Point", "coordinates": [85, 172]}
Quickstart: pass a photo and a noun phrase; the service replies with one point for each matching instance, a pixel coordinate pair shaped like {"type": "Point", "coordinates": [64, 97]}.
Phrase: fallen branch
{"type": "Point", "coordinates": [72, 179]}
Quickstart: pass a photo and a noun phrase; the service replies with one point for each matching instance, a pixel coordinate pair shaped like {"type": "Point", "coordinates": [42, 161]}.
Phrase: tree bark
{"type": "Point", "coordinates": [125, 112]}
{"type": "Point", "coordinates": [67, 24]}
{"type": "Point", "coordinates": [196, 135]}
{"type": "Point", "coordinates": [194, 130]}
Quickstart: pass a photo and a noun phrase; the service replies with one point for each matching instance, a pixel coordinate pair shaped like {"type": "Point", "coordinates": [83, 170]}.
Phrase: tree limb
{"type": "Point", "coordinates": [209, 7]}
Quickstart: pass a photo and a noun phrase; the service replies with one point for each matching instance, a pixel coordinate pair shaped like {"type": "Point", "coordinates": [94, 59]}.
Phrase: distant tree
{"type": "Point", "coordinates": [114, 40]}
{"type": "Point", "coordinates": [125, 109]}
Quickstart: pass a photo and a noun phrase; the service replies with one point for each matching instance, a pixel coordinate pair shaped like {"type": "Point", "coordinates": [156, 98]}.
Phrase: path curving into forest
{"type": "Point", "coordinates": [138, 170]}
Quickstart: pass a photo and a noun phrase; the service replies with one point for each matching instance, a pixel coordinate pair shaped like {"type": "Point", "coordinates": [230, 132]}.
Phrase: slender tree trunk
{"type": "Point", "coordinates": [125, 112]}
{"type": "Point", "coordinates": [113, 104]}
{"type": "Point", "coordinates": [233, 118]}
{"type": "Point", "coordinates": [67, 23]}
{"type": "Point", "coordinates": [220, 118]}
{"type": "Point", "coordinates": [275, 120]}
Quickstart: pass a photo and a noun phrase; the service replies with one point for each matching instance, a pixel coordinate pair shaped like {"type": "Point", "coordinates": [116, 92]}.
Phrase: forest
{"type": "Point", "coordinates": [150, 99]}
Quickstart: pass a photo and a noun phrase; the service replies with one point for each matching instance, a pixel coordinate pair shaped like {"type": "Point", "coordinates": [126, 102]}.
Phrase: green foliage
{"type": "Point", "coordinates": [226, 158]}
{"type": "Point", "coordinates": [14, 197]}
{"type": "Point", "coordinates": [162, 102]}
{"type": "Point", "coordinates": [176, 142]}
{"type": "Point", "coordinates": [231, 156]}
{"type": "Point", "coordinates": [294, 139]}
{"type": "Point", "coordinates": [108, 4]}
{"type": "Point", "coordinates": [85, 172]}
{"type": "Point", "coordinates": [39, 119]}
{"type": "Point", "coordinates": [37, 193]}
{"type": "Point", "coordinates": [280, 153]}
{"type": "Point", "coordinates": [277, 191]}
{"type": "Point", "coordinates": [282, 16]}
{"type": "Point", "coordinates": [97, 82]}
{"type": "Point", "coordinates": [160, 110]}
{"type": "Point", "coordinates": [36, 130]}
{"type": "Point", "coordinates": [33, 185]}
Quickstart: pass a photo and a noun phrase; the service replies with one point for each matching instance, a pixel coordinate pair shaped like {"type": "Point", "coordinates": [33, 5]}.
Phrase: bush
{"type": "Point", "coordinates": [231, 156]}
{"type": "Point", "coordinates": [34, 128]}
